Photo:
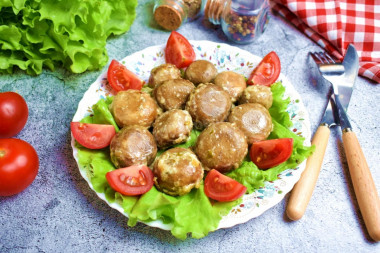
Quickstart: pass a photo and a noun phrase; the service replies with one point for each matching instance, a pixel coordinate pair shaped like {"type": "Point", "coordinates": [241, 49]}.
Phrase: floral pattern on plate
{"type": "Point", "coordinates": [224, 57]}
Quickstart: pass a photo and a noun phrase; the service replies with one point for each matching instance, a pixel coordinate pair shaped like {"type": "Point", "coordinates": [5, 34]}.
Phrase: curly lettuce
{"type": "Point", "coordinates": [37, 34]}
{"type": "Point", "coordinates": [192, 213]}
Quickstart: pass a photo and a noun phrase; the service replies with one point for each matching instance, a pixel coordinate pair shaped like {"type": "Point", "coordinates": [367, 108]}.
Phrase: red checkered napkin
{"type": "Point", "coordinates": [335, 24]}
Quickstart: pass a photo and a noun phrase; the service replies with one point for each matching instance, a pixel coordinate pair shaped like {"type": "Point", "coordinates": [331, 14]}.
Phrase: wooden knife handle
{"type": "Point", "coordinates": [302, 191]}
{"type": "Point", "coordinates": [364, 186]}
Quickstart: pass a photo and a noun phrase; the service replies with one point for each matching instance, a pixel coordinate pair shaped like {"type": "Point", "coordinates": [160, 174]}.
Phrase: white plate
{"type": "Point", "coordinates": [224, 57]}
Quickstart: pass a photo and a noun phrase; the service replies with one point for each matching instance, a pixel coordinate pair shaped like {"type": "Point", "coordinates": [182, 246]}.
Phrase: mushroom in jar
{"type": "Point", "coordinates": [208, 103]}
{"type": "Point", "coordinates": [221, 146]}
{"type": "Point", "coordinates": [163, 73]}
{"type": "Point", "coordinates": [232, 82]}
{"type": "Point", "coordinates": [134, 107]}
{"type": "Point", "coordinates": [173, 94]}
{"type": "Point", "coordinates": [253, 119]}
{"type": "Point", "coordinates": [201, 71]}
{"type": "Point", "coordinates": [133, 145]}
{"type": "Point", "coordinates": [172, 127]}
{"type": "Point", "coordinates": [177, 171]}
{"type": "Point", "coordinates": [257, 94]}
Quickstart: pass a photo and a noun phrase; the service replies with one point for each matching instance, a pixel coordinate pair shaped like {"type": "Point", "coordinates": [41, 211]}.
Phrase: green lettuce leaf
{"type": "Point", "coordinates": [279, 105]}
{"type": "Point", "coordinates": [192, 213]}
{"type": "Point", "coordinates": [35, 34]}
{"type": "Point", "coordinates": [249, 175]}
{"type": "Point", "coordinates": [101, 114]}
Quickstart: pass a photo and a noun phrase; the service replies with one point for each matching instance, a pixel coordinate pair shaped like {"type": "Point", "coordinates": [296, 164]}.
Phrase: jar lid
{"type": "Point", "coordinates": [168, 17]}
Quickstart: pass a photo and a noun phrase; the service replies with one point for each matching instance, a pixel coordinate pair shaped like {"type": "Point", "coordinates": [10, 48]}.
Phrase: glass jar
{"type": "Point", "coordinates": [242, 21]}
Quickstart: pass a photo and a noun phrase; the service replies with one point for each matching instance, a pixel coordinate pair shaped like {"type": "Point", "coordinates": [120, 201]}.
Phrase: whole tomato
{"type": "Point", "coordinates": [18, 166]}
{"type": "Point", "coordinates": [13, 114]}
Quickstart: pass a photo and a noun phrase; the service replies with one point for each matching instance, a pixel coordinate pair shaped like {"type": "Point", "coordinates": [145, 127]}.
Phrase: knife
{"type": "Point", "coordinates": [364, 186]}
{"type": "Point", "coordinates": [303, 190]}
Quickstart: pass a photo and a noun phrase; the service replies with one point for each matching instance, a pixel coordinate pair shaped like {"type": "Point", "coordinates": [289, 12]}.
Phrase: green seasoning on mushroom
{"type": "Point", "coordinates": [177, 171]}
{"type": "Point", "coordinates": [221, 146]}
{"type": "Point", "coordinates": [257, 94]}
{"type": "Point", "coordinates": [133, 145]}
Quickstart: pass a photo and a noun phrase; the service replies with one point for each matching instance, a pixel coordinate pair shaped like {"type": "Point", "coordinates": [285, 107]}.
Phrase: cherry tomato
{"type": "Point", "coordinates": [269, 153]}
{"type": "Point", "coordinates": [120, 78]}
{"type": "Point", "coordinates": [132, 180]}
{"type": "Point", "coordinates": [13, 114]}
{"type": "Point", "coordinates": [267, 71]}
{"type": "Point", "coordinates": [18, 166]}
{"type": "Point", "coordinates": [178, 51]}
{"type": "Point", "coordinates": [222, 188]}
{"type": "Point", "coordinates": [93, 136]}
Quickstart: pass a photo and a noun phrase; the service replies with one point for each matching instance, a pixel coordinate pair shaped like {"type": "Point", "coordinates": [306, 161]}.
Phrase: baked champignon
{"type": "Point", "coordinates": [177, 171]}
{"type": "Point", "coordinates": [201, 71]}
{"type": "Point", "coordinates": [257, 94]}
{"type": "Point", "coordinates": [173, 94]}
{"type": "Point", "coordinates": [172, 127]}
{"type": "Point", "coordinates": [208, 103]}
{"type": "Point", "coordinates": [133, 145]}
{"type": "Point", "coordinates": [134, 107]}
{"type": "Point", "coordinates": [221, 146]}
{"type": "Point", "coordinates": [253, 119]}
{"type": "Point", "coordinates": [163, 73]}
{"type": "Point", "coordinates": [232, 82]}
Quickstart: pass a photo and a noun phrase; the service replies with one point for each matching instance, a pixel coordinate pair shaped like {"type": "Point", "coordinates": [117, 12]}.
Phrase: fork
{"type": "Point", "coordinates": [333, 70]}
{"type": "Point", "coordinates": [365, 190]}
{"type": "Point", "coordinates": [303, 189]}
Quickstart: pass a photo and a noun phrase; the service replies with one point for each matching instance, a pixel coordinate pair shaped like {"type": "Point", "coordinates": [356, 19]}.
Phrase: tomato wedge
{"type": "Point", "coordinates": [131, 181]}
{"type": "Point", "coordinates": [178, 51]}
{"type": "Point", "coordinates": [269, 153]}
{"type": "Point", "coordinates": [222, 188]}
{"type": "Point", "coordinates": [93, 136]}
{"type": "Point", "coordinates": [267, 71]}
{"type": "Point", "coordinates": [120, 78]}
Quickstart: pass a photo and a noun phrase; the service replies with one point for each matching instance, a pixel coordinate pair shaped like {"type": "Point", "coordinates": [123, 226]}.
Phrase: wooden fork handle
{"type": "Point", "coordinates": [364, 186]}
{"type": "Point", "coordinates": [302, 191]}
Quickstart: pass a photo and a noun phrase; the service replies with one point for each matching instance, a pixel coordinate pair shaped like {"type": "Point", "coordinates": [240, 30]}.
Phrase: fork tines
{"type": "Point", "coordinates": [323, 58]}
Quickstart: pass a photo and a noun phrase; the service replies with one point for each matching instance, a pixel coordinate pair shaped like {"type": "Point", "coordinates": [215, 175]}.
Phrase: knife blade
{"type": "Point", "coordinates": [351, 68]}
{"type": "Point", "coordinates": [303, 190]}
{"type": "Point", "coordinates": [364, 186]}
{"type": "Point", "coordinates": [344, 86]}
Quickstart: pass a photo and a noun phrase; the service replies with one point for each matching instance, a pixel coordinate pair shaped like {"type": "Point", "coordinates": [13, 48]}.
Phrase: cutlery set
{"type": "Point", "coordinates": [342, 77]}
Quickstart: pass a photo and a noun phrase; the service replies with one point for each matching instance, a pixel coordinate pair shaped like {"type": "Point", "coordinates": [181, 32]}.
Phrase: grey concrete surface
{"type": "Point", "coordinates": [59, 213]}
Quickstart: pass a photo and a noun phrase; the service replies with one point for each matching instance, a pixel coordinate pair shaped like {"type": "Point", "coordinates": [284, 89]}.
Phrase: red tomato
{"type": "Point", "coordinates": [132, 180]}
{"type": "Point", "coordinates": [93, 136]}
{"type": "Point", "coordinates": [120, 78]}
{"type": "Point", "coordinates": [267, 71]}
{"type": "Point", "coordinates": [13, 114]}
{"type": "Point", "coordinates": [222, 188]}
{"type": "Point", "coordinates": [18, 166]}
{"type": "Point", "coordinates": [269, 153]}
{"type": "Point", "coordinates": [178, 51]}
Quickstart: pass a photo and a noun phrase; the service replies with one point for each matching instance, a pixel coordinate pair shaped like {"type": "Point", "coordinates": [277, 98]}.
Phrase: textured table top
{"type": "Point", "coordinates": [60, 213]}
